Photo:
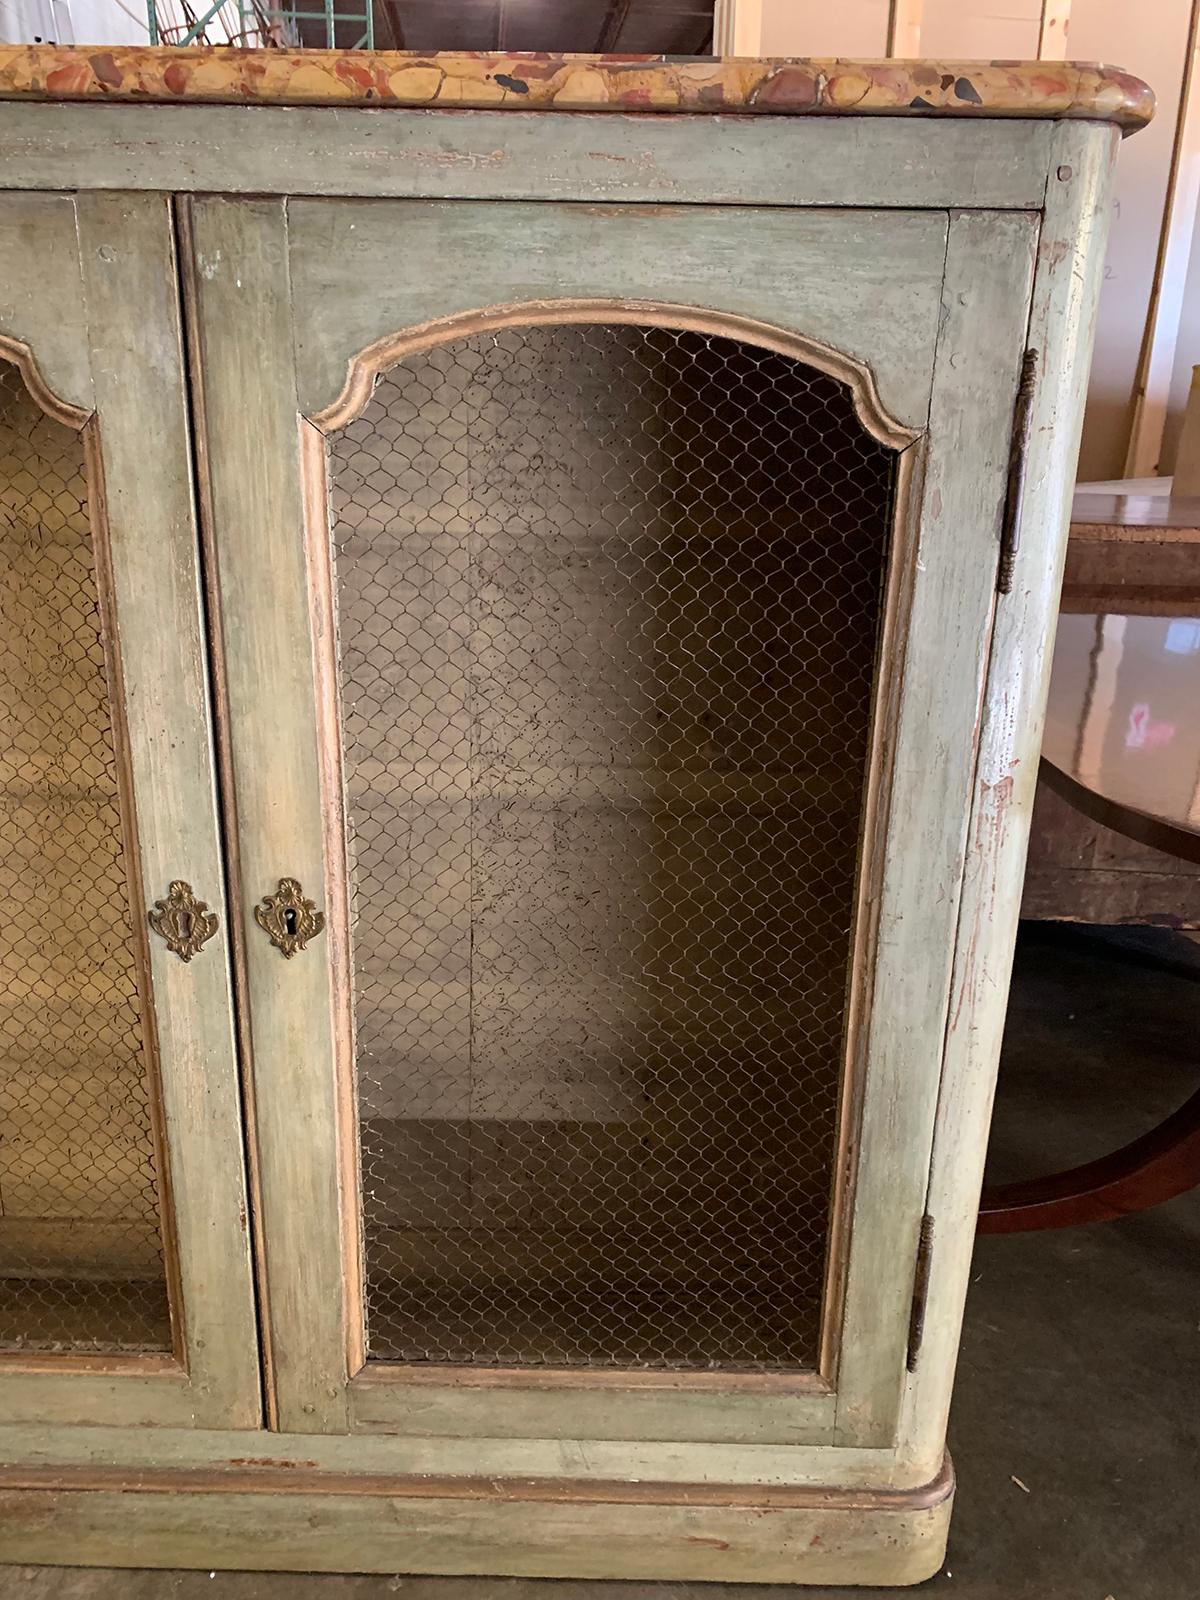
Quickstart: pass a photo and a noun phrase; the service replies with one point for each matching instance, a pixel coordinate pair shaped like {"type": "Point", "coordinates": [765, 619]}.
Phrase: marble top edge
{"type": "Point", "coordinates": [226, 76]}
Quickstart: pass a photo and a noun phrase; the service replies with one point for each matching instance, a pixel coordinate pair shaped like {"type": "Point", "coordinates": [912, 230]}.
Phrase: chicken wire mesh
{"type": "Point", "coordinates": [80, 1254]}
{"type": "Point", "coordinates": [609, 600]}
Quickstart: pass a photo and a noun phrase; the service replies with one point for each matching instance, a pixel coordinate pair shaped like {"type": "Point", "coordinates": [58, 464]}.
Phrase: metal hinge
{"type": "Point", "coordinates": [916, 1322]}
{"type": "Point", "coordinates": [1010, 527]}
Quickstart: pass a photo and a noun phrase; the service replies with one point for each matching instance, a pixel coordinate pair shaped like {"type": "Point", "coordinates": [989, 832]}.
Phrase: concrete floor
{"type": "Point", "coordinates": [1079, 1372]}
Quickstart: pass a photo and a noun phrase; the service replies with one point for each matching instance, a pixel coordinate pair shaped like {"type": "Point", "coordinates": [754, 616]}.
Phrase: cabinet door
{"type": "Point", "coordinates": [606, 596]}
{"type": "Point", "coordinates": [125, 1282]}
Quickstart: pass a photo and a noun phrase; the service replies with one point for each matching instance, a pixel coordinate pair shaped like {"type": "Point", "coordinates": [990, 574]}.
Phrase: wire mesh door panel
{"type": "Point", "coordinates": [81, 1256]}
{"type": "Point", "coordinates": [608, 604]}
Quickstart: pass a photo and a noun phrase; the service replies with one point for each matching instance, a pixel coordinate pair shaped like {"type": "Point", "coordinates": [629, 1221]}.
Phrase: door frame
{"type": "Point", "coordinates": [89, 312]}
{"type": "Point", "coordinates": [618, 1403]}
{"type": "Point", "coordinates": [288, 364]}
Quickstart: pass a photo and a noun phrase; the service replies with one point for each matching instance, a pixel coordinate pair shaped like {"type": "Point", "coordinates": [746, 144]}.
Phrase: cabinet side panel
{"type": "Point", "coordinates": [985, 308]}
{"type": "Point", "coordinates": [1070, 261]}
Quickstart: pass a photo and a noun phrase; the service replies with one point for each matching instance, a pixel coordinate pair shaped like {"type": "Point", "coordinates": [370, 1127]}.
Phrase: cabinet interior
{"type": "Point", "coordinates": [81, 1255]}
{"type": "Point", "coordinates": [608, 605]}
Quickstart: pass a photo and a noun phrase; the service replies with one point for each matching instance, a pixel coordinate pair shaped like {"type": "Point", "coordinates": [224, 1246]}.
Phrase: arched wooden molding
{"type": "Point", "coordinates": [365, 368]}
{"type": "Point", "coordinates": [23, 358]}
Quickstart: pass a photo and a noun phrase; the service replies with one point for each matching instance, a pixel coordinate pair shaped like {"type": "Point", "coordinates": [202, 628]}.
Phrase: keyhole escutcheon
{"type": "Point", "coordinates": [289, 918]}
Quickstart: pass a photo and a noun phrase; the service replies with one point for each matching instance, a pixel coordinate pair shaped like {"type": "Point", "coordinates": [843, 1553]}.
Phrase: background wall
{"type": "Point", "coordinates": [1150, 38]}
{"type": "Point", "coordinates": [95, 21]}
{"type": "Point", "coordinates": [1140, 345]}
{"type": "Point", "coordinates": [73, 21]}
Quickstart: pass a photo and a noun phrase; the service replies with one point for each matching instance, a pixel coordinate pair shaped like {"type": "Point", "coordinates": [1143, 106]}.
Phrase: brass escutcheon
{"type": "Point", "coordinates": [288, 919]}
{"type": "Point", "coordinates": [183, 921]}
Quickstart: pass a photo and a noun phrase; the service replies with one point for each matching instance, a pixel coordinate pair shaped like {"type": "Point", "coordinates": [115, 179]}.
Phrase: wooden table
{"type": "Point", "coordinates": [1107, 844]}
{"type": "Point", "coordinates": [1133, 549]}
{"type": "Point", "coordinates": [1122, 750]}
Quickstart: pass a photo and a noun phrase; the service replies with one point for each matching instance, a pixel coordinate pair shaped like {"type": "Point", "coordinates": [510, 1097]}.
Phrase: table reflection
{"type": "Point", "coordinates": [1123, 721]}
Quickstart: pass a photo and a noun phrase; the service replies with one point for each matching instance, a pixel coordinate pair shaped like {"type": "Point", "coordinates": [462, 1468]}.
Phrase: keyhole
{"type": "Point", "coordinates": [185, 924]}
{"type": "Point", "coordinates": [290, 920]}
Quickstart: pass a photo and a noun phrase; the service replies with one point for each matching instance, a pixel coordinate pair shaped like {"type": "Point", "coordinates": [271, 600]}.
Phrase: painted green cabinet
{"type": "Point", "coordinates": [526, 635]}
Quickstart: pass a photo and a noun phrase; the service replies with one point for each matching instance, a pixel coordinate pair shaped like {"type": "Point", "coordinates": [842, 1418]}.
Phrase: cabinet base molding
{"type": "Point", "coordinates": [270, 1519]}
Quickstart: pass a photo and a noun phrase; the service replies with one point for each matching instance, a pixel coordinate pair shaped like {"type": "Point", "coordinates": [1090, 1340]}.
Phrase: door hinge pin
{"type": "Point", "coordinates": [916, 1324]}
{"type": "Point", "coordinates": [1018, 449]}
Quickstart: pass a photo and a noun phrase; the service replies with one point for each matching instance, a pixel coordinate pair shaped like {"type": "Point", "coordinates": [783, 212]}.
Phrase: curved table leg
{"type": "Point", "coordinates": [1154, 1168]}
